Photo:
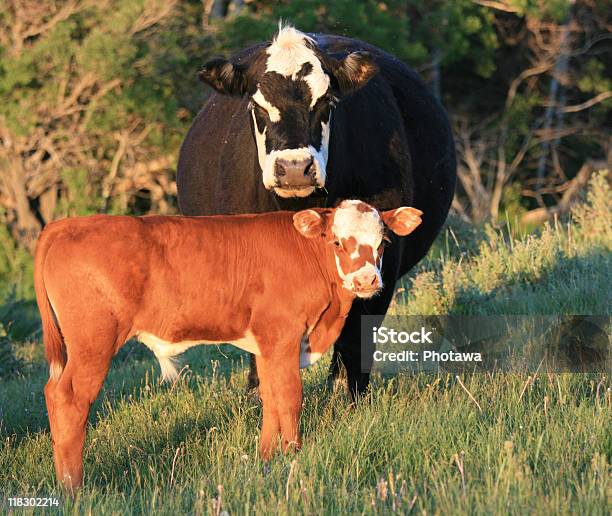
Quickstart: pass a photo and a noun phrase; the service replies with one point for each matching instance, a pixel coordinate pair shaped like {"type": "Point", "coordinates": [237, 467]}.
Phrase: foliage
{"type": "Point", "coordinates": [16, 266]}
{"type": "Point", "coordinates": [384, 24]}
{"type": "Point", "coordinates": [565, 268]}
{"type": "Point", "coordinates": [9, 363]}
{"type": "Point", "coordinates": [95, 97]}
{"type": "Point", "coordinates": [86, 95]}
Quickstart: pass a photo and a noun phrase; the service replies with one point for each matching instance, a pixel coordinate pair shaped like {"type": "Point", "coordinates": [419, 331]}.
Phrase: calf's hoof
{"type": "Point", "coordinates": [70, 485]}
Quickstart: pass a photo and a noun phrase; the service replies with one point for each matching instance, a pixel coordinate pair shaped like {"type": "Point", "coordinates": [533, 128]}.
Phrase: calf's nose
{"type": "Point", "coordinates": [365, 282]}
{"type": "Point", "coordinates": [295, 172]}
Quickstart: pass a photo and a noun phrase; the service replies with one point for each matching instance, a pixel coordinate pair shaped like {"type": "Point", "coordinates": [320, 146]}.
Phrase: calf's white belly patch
{"type": "Point", "coordinates": [166, 351]}
{"type": "Point", "coordinates": [306, 357]}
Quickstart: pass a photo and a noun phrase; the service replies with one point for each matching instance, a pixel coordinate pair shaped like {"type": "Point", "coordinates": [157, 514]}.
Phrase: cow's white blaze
{"type": "Point", "coordinates": [289, 52]}
{"type": "Point", "coordinates": [166, 351]}
{"type": "Point", "coordinates": [325, 133]}
{"type": "Point", "coordinates": [260, 143]}
{"type": "Point", "coordinates": [268, 160]}
{"type": "Point", "coordinates": [272, 110]}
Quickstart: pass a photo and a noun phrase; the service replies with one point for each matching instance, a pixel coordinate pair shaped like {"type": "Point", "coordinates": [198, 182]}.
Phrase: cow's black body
{"type": "Point", "coordinates": [391, 145]}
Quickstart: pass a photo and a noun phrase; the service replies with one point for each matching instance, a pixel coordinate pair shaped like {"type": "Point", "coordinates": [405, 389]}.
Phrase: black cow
{"type": "Point", "coordinates": [306, 120]}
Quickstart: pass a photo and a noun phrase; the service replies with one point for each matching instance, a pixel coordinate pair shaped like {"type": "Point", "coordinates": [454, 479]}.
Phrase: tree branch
{"type": "Point", "coordinates": [500, 6]}
{"type": "Point", "coordinates": [587, 104]}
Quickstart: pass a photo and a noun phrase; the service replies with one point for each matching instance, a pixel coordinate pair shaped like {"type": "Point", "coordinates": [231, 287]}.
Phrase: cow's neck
{"type": "Point", "coordinates": [298, 203]}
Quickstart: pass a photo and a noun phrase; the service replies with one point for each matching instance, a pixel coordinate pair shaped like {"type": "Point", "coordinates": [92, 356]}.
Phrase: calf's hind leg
{"type": "Point", "coordinates": [69, 399]}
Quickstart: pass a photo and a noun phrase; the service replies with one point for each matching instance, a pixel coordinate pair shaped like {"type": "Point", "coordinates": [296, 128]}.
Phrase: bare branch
{"type": "Point", "coordinates": [29, 19]}
{"type": "Point", "coordinates": [539, 69]}
{"type": "Point", "coordinates": [500, 6]}
{"type": "Point", "coordinates": [573, 187]}
{"type": "Point", "coordinates": [67, 10]}
{"type": "Point", "coordinates": [153, 13]}
{"type": "Point", "coordinates": [587, 104]}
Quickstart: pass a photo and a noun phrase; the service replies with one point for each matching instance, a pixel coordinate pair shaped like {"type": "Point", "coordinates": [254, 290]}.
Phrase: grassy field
{"type": "Point", "coordinates": [483, 443]}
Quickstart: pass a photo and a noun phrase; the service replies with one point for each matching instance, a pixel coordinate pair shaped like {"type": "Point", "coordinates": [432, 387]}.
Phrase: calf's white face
{"type": "Point", "coordinates": [293, 87]}
{"type": "Point", "coordinates": [356, 232]}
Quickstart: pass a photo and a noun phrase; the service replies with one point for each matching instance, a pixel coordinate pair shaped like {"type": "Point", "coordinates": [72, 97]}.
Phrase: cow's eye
{"type": "Point", "coordinates": [261, 117]}
{"type": "Point", "coordinates": [322, 110]}
{"type": "Point", "coordinates": [337, 244]}
{"type": "Point", "coordinates": [259, 110]}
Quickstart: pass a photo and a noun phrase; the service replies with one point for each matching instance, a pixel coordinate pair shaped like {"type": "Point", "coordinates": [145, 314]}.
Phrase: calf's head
{"type": "Point", "coordinates": [356, 233]}
{"type": "Point", "coordinates": [293, 87]}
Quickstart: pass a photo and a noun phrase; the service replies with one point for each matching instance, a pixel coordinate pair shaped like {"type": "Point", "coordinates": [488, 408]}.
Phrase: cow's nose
{"type": "Point", "coordinates": [294, 173]}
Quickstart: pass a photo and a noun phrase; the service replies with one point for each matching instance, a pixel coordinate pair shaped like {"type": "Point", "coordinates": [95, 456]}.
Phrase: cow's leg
{"type": "Point", "coordinates": [280, 389]}
{"type": "Point", "coordinates": [252, 379]}
{"type": "Point", "coordinates": [349, 350]}
{"type": "Point", "coordinates": [70, 396]}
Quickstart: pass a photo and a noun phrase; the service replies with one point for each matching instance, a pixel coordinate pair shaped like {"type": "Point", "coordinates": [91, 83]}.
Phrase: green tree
{"type": "Point", "coordinates": [81, 100]}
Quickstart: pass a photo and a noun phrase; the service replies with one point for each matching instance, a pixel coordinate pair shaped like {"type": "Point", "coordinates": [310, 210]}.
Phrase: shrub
{"type": "Point", "coordinates": [563, 268]}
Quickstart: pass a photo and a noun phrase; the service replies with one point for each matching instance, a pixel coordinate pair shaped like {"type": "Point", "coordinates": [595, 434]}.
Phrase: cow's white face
{"type": "Point", "coordinates": [293, 88]}
{"type": "Point", "coordinates": [355, 230]}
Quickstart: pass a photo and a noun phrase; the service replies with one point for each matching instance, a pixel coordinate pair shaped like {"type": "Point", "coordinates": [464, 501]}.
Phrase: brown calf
{"type": "Point", "coordinates": [175, 282]}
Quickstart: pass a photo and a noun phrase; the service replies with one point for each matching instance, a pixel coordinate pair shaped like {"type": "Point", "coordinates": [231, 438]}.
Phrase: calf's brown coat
{"type": "Point", "coordinates": [101, 280]}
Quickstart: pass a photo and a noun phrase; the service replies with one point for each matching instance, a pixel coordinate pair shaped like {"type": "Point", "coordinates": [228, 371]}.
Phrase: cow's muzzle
{"type": "Point", "coordinates": [295, 173]}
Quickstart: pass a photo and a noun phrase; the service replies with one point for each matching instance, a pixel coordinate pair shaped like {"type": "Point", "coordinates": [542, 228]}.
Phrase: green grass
{"type": "Point", "coordinates": [478, 444]}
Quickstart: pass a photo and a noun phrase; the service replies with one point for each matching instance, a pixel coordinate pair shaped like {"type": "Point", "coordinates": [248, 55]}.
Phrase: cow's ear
{"type": "Point", "coordinates": [354, 71]}
{"type": "Point", "coordinates": [402, 221]}
{"type": "Point", "coordinates": [309, 223]}
{"type": "Point", "coordinates": [225, 77]}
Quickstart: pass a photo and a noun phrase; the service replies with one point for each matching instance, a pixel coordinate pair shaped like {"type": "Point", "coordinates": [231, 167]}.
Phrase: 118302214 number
{"type": "Point", "coordinates": [33, 501]}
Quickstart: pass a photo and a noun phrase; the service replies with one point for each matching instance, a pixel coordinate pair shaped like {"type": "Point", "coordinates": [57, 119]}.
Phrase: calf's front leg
{"type": "Point", "coordinates": [280, 389]}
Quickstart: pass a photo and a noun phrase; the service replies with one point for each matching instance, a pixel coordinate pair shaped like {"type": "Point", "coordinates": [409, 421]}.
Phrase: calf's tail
{"type": "Point", "coordinates": [55, 350]}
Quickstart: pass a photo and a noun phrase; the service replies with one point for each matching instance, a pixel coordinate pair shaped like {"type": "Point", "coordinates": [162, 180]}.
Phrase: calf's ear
{"type": "Point", "coordinates": [402, 221]}
{"type": "Point", "coordinates": [225, 77]}
{"type": "Point", "coordinates": [309, 223]}
{"type": "Point", "coordinates": [354, 71]}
